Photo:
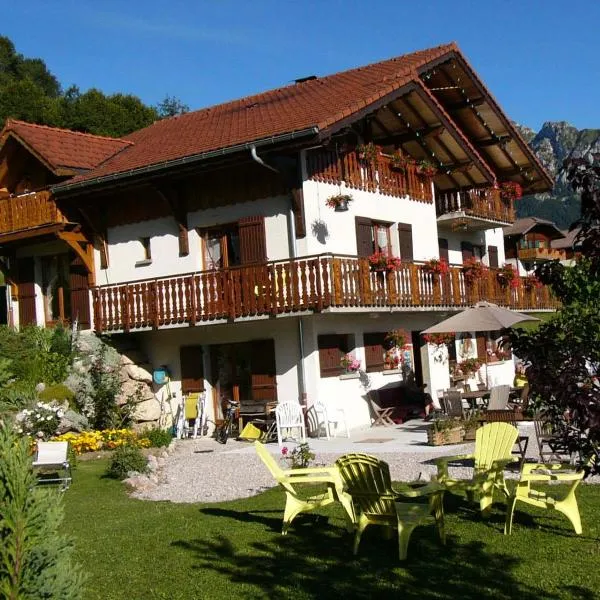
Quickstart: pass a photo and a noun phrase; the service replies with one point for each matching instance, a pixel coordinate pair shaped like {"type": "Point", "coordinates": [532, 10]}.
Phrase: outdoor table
{"type": "Point", "coordinates": [471, 397]}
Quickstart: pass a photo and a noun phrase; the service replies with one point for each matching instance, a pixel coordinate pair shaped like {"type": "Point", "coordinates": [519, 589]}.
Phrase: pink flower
{"type": "Point", "coordinates": [284, 451]}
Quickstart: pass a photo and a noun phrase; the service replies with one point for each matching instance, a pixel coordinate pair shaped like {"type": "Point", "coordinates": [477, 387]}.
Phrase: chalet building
{"type": "Point", "coordinates": [241, 245]}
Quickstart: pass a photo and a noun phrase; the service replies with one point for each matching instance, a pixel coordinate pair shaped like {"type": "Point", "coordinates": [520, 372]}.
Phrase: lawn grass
{"type": "Point", "coordinates": [135, 549]}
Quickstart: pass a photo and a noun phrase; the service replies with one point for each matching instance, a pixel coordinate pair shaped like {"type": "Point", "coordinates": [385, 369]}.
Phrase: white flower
{"type": "Point", "coordinates": [60, 414]}
{"type": "Point", "coordinates": [49, 418]}
{"type": "Point", "coordinates": [20, 430]}
{"type": "Point", "coordinates": [40, 434]}
{"type": "Point", "coordinates": [40, 405]}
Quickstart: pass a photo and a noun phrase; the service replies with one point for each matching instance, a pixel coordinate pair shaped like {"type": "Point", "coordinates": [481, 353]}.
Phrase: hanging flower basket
{"type": "Point", "coordinates": [469, 366]}
{"type": "Point", "coordinates": [474, 270]}
{"type": "Point", "coordinates": [339, 202]}
{"type": "Point", "coordinates": [510, 191]}
{"type": "Point", "coordinates": [426, 168]}
{"type": "Point", "coordinates": [379, 261]}
{"type": "Point", "coordinates": [507, 276]}
{"type": "Point", "coordinates": [396, 338]}
{"type": "Point", "coordinates": [367, 153]}
{"type": "Point", "coordinates": [439, 339]}
{"type": "Point", "coordinates": [436, 266]}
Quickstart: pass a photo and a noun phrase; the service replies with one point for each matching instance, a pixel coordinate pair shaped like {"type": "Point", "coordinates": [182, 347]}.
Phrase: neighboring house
{"type": "Point", "coordinates": [568, 246]}
{"type": "Point", "coordinates": [208, 236]}
{"type": "Point", "coordinates": [532, 240]}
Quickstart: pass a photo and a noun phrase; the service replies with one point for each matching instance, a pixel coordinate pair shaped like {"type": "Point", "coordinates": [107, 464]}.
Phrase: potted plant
{"type": "Point", "coordinates": [349, 363]}
{"type": "Point", "coordinates": [471, 425]}
{"type": "Point", "coordinates": [508, 276]}
{"type": "Point", "coordinates": [396, 338]}
{"type": "Point", "coordinates": [339, 202]}
{"type": "Point", "coordinates": [469, 366]}
{"type": "Point", "coordinates": [474, 270]}
{"type": "Point", "coordinates": [391, 359]}
{"type": "Point", "coordinates": [532, 282]}
{"type": "Point", "coordinates": [444, 431]}
{"type": "Point", "coordinates": [367, 153]}
{"type": "Point", "coordinates": [398, 162]}
{"type": "Point", "coordinates": [436, 266]}
{"type": "Point", "coordinates": [427, 168]}
{"type": "Point", "coordinates": [439, 339]}
{"type": "Point", "coordinates": [380, 261]}
{"type": "Point", "coordinates": [510, 191]}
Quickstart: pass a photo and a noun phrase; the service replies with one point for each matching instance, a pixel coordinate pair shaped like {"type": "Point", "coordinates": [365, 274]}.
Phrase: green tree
{"type": "Point", "coordinates": [35, 560]}
{"type": "Point", "coordinates": [170, 106]}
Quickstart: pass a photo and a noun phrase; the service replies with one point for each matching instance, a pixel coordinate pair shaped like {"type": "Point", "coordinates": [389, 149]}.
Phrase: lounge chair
{"type": "Point", "coordinates": [52, 458]}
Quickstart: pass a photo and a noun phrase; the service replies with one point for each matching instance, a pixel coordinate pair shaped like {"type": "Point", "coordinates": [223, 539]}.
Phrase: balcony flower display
{"type": "Point", "coordinates": [339, 202]}
{"type": "Point", "coordinates": [426, 168]}
{"type": "Point", "coordinates": [436, 266]}
{"type": "Point", "coordinates": [398, 162]}
{"type": "Point", "coordinates": [469, 366]}
{"type": "Point", "coordinates": [510, 191]}
{"type": "Point", "coordinates": [380, 261]}
{"type": "Point", "coordinates": [474, 270]}
{"type": "Point", "coordinates": [392, 359]}
{"type": "Point", "coordinates": [396, 338]}
{"type": "Point", "coordinates": [508, 276]}
{"type": "Point", "coordinates": [532, 282]}
{"type": "Point", "coordinates": [367, 153]}
{"type": "Point", "coordinates": [349, 363]}
{"type": "Point", "coordinates": [439, 339]}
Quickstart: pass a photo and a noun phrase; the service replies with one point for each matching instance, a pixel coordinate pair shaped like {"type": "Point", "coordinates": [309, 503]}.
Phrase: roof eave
{"type": "Point", "coordinates": [66, 188]}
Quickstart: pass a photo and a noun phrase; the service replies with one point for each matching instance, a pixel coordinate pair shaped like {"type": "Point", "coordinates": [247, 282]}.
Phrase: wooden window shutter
{"type": "Point", "coordinates": [263, 371]}
{"type": "Point", "coordinates": [406, 241]}
{"type": "Point", "coordinates": [364, 237]}
{"type": "Point", "coordinates": [493, 256]}
{"type": "Point", "coordinates": [443, 247]}
{"type": "Point", "coordinates": [331, 348]}
{"type": "Point", "coordinates": [253, 246]}
{"type": "Point", "coordinates": [192, 369]}
{"type": "Point", "coordinates": [26, 275]}
{"type": "Point", "coordinates": [481, 347]}
{"type": "Point", "coordinates": [374, 351]}
{"type": "Point", "coordinates": [467, 251]}
{"type": "Point", "coordinates": [80, 294]}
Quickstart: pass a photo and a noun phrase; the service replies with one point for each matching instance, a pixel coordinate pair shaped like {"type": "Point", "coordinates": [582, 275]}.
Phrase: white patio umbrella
{"type": "Point", "coordinates": [483, 316]}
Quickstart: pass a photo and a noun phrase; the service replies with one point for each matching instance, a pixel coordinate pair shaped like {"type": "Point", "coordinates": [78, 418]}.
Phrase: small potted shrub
{"type": "Point", "coordinates": [426, 168]}
{"type": "Point", "coordinates": [367, 153]}
{"type": "Point", "coordinates": [339, 202]}
{"type": "Point", "coordinates": [380, 261]}
{"type": "Point", "coordinates": [508, 276]}
{"type": "Point", "coordinates": [444, 431]}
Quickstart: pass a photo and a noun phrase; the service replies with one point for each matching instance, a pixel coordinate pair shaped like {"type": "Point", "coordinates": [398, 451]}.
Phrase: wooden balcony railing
{"type": "Point", "coordinates": [541, 254]}
{"type": "Point", "coordinates": [377, 175]}
{"type": "Point", "coordinates": [305, 284]}
{"type": "Point", "coordinates": [484, 203]}
{"type": "Point", "coordinates": [29, 210]}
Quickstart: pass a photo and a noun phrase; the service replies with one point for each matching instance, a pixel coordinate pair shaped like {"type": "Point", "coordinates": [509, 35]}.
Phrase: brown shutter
{"type": "Point", "coordinates": [481, 347]}
{"type": "Point", "coordinates": [374, 351]}
{"type": "Point", "coordinates": [406, 241]}
{"type": "Point", "coordinates": [493, 256]}
{"type": "Point", "coordinates": [443, 246]}
{"type": "Point", "coordinates": [80, 294]}
{"type": "Point", "coordinates": [364, 237]}
{"type": "Point", "coordinates": [26, 274]}
{"type": "Point", "coordinates": [192, 369]}
{"type": "Point", "coordinates": [253, 247]}
{"type": "Point", "coordinates": [331, 348]}
{"type": "Point", "coordinates": [263, 371]}
{"type": "Point", "coordinates": [467, 251]}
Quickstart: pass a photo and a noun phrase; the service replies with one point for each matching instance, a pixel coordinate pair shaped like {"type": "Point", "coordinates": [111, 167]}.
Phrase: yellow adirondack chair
{"type": "Point", "coordinates": [376, 502]}
{"type": "Point", "coordinates": [545, 473]}
{"type": "Point", "coordinates": [493, 447]}
{"type": "Point", "coordinates": [288, 479]}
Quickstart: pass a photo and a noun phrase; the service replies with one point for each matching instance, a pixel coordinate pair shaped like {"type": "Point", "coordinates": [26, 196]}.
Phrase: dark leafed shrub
{"type": "Point", "coordinates": [124, 460]}
{"type": "Point", "coordinates": [158, 437]}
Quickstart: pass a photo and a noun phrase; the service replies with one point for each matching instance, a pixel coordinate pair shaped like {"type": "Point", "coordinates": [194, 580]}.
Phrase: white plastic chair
{"type": "Point", "coordinates": [321, 418]}
{"type": "Point", "coordinates": [289, 417]}
{"type": "Point", "coordinates": [336, 416]}
{"type": "Point", "coordinates": [54, 456]}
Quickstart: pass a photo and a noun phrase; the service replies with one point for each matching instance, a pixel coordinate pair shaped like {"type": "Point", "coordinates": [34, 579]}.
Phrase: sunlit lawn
{"type": "Point", "coordinates": [134, 549]}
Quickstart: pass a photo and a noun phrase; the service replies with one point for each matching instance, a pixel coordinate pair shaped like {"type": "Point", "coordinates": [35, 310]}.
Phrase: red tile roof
{"type": "Point", "coordinates": [318, 103]}
{"type": "Point", "coordinates": [63, 148]}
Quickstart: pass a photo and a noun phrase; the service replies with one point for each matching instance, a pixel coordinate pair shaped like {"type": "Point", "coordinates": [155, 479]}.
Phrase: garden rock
{"type": "Point", "coordinates": [148, 410]}
{"type": "Point", "coordinates": [72, 421]}
{"type": "Point", "coordinates": [139, 372]}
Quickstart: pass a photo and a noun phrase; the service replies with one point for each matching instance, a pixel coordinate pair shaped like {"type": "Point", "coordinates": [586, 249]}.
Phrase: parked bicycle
{"type": "Point", "coordinates": [224, 431]}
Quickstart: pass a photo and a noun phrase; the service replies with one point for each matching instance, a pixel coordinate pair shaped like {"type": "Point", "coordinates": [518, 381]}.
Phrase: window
{"type": "Point", "coordinates": [146, 252]}
{"type": "Point", "coordinates": [493, 257]}
{"type": "Point", "coordinates": [405, 240]}
{"type": "Point", "coordinates": [443, 248]}
{"type": "Point", "coordinates": [372, 236]}
{"type": "Point", "coordinates": [331, 349]}
{"type": "Point", "coordinates": [55, 287]}
{"type": "Point", "coordinates": [221, 246]}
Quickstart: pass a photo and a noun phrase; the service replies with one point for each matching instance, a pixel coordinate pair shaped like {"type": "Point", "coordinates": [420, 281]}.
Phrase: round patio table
{"type": "Point", "coordinates": [471, 397]}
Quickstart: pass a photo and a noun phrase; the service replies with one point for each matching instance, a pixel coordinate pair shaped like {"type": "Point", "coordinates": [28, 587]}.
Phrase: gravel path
{"type": "Point", "coordinates": [203, 471]}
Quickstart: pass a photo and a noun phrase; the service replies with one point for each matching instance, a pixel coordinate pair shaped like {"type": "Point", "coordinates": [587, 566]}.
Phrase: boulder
{"type": "Point", "coordinates": [72, 421]}
{"type": "Point", "coordinates": [139, 372]}
{"type": "Point", "coordinates": [133, 357]}
{"type": "Point", "coordinates": [148, 410]}
{"type": "Point", "coordinates": [134, 389]}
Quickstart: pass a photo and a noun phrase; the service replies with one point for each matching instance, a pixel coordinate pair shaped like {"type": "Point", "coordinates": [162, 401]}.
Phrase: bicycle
{"type": "Point", "coordinates": [224, 431]}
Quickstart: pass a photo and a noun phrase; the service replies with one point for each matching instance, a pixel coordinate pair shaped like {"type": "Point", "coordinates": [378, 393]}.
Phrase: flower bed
{"type": "Point", "coordinates": [108, 439]}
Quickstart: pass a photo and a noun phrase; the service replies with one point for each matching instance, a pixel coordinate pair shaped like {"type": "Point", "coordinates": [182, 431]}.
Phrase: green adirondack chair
{"type": "Point", "coordinates": [545, 473]}
{"type": "Point", "coordinates": [290, 479]}
{"type": "Point", "coordinates": [493, 447]}
{"type": "Point", "coordinates": [376, 502]}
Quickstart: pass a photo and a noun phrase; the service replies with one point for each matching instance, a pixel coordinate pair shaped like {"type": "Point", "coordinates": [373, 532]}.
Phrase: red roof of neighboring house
{"type": "Point", "coordinates": [317, 102]}
{"type": "Point", "coordinates": [63, 148]}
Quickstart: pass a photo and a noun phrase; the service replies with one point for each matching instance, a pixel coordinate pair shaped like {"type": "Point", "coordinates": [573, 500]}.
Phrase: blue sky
{"type": "Point", "coordinates": [539, 57]}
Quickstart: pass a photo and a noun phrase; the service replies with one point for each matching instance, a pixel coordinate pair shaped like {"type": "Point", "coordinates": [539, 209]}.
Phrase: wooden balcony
{"type": "Point", "coordinates": [473, 209]}
{"type": "Point", "coordinates": [25, 215]}
{"type": "Point", "coordinates": [540, 254]}
{"type": "Point", "coordinates": [309, 284]}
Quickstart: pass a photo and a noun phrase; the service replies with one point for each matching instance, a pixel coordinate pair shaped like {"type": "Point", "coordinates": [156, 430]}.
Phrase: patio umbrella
{"type": "Point", "coordinates": [484, 316]}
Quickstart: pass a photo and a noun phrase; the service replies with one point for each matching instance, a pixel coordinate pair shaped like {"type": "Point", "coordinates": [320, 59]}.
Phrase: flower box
{"type": "Point", "coordinates": [442, 438]}
{"type": "Point", "coordinates": [426, 168]}
{"type": "Point", "coordinates": [380, 261]}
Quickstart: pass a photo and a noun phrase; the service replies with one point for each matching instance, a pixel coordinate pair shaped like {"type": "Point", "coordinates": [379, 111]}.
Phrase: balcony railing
{"type": "Point", "coordinates": [533, 254]}
{"type": "Point", "coordinates": [312, 283]}
{"type": "Point", "coordinates": [27, 211]}
{"type": "Point", "coordinates": [483, 203]}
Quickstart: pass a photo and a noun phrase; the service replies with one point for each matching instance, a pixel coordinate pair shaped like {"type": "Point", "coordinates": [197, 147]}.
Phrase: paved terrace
{"type": "Point", "coordinates": [202, 470]}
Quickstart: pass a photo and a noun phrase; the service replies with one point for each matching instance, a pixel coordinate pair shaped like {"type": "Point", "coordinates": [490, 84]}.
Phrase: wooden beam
{"type": "Point", "coordinates": [175, 200]}
{"type": "Point", "coordinates": [412, 135]}
{"type": "Point", "coordinates": [497, 140]}
{"type": "Point", "coordinates": [100, 236]}
{"type": "Point", "coordinates": [450, 106]}
{"type": "Point", "coordinates": [74, 240]}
